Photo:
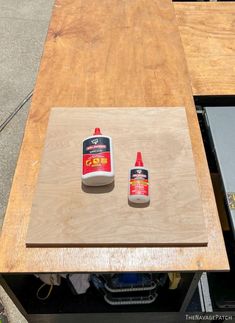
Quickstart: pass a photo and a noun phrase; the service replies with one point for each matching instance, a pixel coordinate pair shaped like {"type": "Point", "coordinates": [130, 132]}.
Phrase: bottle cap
{"type": "Point", "coordinates": [97, 132]}
{"type": "Point", "coordinates": [139, 161]}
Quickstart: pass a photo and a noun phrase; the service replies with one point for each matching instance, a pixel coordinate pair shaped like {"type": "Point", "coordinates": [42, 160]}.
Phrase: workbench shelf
{"type": "Point", "coordinates": [62, 300]}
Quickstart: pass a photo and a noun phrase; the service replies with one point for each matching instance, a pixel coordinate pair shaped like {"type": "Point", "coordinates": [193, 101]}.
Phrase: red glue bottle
{"type": "Point", "coordinates": [139, 182]}
{"type": "Point", "coordinates": [97, 169]}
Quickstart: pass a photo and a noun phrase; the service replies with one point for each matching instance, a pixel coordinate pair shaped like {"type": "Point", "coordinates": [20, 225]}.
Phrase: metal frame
{"type": "Point", "coordinates": [204, 293]}
{"type": "Point", "coordinates": [190, 292]}
{"type": "Point", "coordinates": [13, 297]}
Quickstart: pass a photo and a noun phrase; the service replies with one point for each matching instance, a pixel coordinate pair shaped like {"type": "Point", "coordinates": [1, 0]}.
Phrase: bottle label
{"type": "Point", "coordinates": [96, 155]}
{"type": "Point", "coordinates": [139, 182]}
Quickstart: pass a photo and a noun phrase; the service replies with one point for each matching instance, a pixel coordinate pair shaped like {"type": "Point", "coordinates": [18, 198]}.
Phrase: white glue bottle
{"type": "Point", "coordinates": [97, 168]}
{"type": "Point", "coordinates": [139, 182]}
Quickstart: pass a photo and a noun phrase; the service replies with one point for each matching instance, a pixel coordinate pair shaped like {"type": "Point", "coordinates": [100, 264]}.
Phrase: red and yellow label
{"type": "Point", "coordinates": [96, 155]}
{"type": "Point", "coordinates": [139, 187]}
{"type": "Point", "coordinates": [139, 184]}
{"type": "Point", "coordinates": [96, 162]}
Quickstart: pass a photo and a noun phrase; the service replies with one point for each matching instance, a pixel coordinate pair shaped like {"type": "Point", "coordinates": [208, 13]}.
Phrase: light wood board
{"type": "Point", "coordinates": [94, 56]}
{"type": "Point", "coordinates": [207, 31]}
{"type": "Point", "coordinates": [65, 213]}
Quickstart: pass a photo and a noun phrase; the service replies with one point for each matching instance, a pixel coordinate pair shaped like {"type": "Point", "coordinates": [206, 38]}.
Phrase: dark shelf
{"type": "Point", "coordinates": [62, 300]}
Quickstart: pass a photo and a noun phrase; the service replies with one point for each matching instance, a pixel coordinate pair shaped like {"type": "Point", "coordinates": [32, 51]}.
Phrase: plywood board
{"type": "Point", "coordinates": [65, 213]}
{"type": "Point", "coordinates": [108, 53]}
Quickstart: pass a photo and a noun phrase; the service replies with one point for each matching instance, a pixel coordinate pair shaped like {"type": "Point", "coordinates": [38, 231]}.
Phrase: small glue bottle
{"type": "Point", "coordinates": [97, 168]}
{"type": "Point", "coordinates": [139, 182]}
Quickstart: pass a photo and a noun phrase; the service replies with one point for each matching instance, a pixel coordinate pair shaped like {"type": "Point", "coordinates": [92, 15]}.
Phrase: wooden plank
{"type": "Point", "coordinates": [65, 213]}
{"type": "Point", "coordinates": [108, 53]}
{"type": "Point", "coordinates": [208, 34]}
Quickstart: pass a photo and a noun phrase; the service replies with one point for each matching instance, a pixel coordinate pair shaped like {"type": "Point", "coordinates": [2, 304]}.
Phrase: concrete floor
{"type": "Point", "coordinates": [23, 28]}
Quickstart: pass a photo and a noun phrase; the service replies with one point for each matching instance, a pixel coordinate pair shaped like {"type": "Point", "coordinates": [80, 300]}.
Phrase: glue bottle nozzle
{"type": "Point", "coordinates": [97, 132]}
{"type": "Point", "coordinates": [139, 161]}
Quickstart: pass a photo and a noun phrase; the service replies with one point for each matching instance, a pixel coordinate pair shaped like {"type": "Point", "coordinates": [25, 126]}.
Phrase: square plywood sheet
{"type": "Point", "coordinates": [66, 214]}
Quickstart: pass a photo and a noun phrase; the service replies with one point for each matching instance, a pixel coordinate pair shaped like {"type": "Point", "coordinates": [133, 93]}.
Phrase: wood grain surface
{"type": "Point", "coordinates": [66, 213]}
{"type": "Point", "coordinates": [208, 34]}
{"type": "Point", "coordinates": [114, 53]}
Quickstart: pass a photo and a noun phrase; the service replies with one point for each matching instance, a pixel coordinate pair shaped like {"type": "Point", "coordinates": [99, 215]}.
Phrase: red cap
{"type": "Point", "coordinates": [97, 132]}
{"type": "Point", "coordinates": [139, 161]}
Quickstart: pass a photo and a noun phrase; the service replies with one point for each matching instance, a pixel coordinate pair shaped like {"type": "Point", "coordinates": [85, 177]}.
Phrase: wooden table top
{"type": "Point", "coordinates": [207, 31]}
{"type": "Point", "coordinates": [127, 54]}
